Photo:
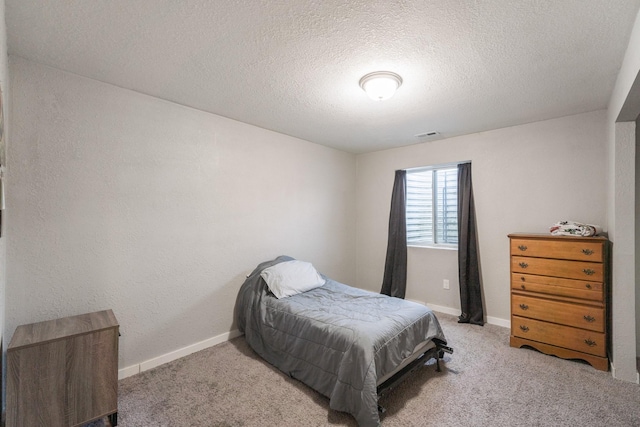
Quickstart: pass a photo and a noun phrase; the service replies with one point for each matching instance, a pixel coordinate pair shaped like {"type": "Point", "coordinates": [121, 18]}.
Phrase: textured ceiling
{"type": "Point", "coordinates": [293, 66]}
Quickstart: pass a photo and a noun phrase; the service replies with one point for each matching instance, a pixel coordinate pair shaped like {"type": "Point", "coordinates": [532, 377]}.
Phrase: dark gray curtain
{"type": "Point", "coordinates": [468, 260]}
{"type": "Point", "coordinates": [394, 282]}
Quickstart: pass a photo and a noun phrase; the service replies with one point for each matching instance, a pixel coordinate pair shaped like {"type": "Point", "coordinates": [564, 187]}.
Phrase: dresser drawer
{"type": "Point", "coordinates": [591, 271]}
{"type": "Point", "coordinates": [589, 342]}
{"type": "Point", "coordinates": [582, 289]}
{"type": "Point", "coordinates": [563, 313]}
{"type": "Point", "coordinates": [572, 250]}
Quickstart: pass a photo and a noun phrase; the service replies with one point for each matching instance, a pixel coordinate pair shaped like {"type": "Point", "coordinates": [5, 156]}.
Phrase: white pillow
{"type": "Point", "coordinates": [291, 277]}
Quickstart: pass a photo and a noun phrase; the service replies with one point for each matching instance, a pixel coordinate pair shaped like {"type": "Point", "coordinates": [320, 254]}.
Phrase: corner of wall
{"type": "Point", "coordinates": [4, 74]}
{"type": "Point", "coordinates": [621, 209]}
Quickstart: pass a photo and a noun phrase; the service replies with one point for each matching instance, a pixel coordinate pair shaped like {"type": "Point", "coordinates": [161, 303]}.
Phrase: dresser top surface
{"type": "Point", "coordinates": [51, 330]}
{"type": "Point", "coordinates": [542, 236]}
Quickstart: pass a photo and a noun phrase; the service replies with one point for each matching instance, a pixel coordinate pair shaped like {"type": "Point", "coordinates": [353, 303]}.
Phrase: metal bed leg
{"type": "Point", "coordinates": [442, 349]}
{"type": "Point", "coordinates": [113, 419]}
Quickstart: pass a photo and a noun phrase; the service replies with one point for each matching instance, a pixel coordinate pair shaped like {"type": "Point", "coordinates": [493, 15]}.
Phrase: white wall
{"type": "Point", "coordinates": [621, 214]}
{"type": "Point", "coordinates": [4, 86]}
{"type": "Point", "coordinates": [158, 211]}
{"type": "Point", "coordinates": [637, 236]}
{"type": "Point", "coordinates": [525, 178]}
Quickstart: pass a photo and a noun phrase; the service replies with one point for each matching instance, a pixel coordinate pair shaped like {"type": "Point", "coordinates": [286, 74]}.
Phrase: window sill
{"type": "Point", "coordinates": [444, 247]}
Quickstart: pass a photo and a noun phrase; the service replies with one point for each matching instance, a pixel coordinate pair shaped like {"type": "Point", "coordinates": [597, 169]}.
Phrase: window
{"type": "Point", "coordinates": [432, 206]}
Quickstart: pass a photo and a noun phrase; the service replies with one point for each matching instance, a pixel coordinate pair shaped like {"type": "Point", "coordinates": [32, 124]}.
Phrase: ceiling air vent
{"type": "Point", "coordinates": [429, 135]}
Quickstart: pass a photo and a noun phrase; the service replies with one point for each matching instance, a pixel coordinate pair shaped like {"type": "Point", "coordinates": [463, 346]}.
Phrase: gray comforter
{"type": "Point", "coordinates": [335, 338]}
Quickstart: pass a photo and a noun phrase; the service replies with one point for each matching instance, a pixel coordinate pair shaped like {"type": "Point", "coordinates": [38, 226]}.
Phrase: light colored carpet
{"type": "Point", "coordinates": [484, 383]}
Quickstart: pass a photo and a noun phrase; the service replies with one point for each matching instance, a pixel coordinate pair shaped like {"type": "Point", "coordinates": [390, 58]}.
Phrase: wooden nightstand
{"type": "Point", "coordinates": [63, 372]}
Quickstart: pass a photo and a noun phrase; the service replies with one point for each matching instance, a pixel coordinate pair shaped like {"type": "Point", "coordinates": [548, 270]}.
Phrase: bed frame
{"type": "Point", "coordinates": [437, 352]}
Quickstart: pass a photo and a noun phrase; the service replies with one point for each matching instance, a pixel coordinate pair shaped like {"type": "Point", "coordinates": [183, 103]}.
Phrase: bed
{"type": "Point", "coordinates": [349, 344]}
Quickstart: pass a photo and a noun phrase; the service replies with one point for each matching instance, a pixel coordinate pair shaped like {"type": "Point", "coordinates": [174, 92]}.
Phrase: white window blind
{"type": "Point", "coordinates": [432, 206]}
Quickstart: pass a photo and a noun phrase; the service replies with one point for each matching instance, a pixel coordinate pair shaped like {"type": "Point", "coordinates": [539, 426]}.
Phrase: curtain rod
{"type": "Point", "coordinates": [438, 166]}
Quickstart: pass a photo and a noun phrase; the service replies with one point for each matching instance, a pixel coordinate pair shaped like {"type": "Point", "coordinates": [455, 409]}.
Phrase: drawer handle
{"type": "Point", "coordinates": [587, 251]}
{"type": "Point", "coordinates": [522, 278]}
{"type": "Point", "coordinates": [522, 286]}
{"type": "Point", "coordinates": [588, 285]}
{"type": "Point", "coordinates": [589, 318]}
{"type": "Point", "coordinates": [524, 306]}
{"type": "Point", "coordinates": [524, 328]}
{"type": "Point", "coordinates": [588, 271]}
{"type": "Point", "coordinates": [522, 248]}
{"type": "Point", "coordinates": [590, 343]}
{"type": "Point", "coordinates": [523, 264]}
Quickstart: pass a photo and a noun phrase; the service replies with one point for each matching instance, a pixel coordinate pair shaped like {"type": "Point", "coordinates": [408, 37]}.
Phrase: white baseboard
{"type": "Point", "coordinates": [456, 312]}
{"type": "Point", "coordinates": [128, 371]}
{"type": "Point", "coordinates": [210, 342]}
{"type": "Point", "coordinates": [442, 309]}
{"type": "Point", "coordinates": [505, 323]}
{"type": "Point", "coordinates": [612, 368]}
{"type": "Point", "coordinates": [173, 355]}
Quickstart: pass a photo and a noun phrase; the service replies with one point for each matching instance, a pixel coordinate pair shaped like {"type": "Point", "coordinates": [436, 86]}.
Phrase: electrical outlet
{"type": "Point", "coordinates": [445, 284]}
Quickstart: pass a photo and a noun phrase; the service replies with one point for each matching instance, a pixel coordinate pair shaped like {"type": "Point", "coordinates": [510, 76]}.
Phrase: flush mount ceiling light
{"type": "Point", "coordinates": [380, 85]}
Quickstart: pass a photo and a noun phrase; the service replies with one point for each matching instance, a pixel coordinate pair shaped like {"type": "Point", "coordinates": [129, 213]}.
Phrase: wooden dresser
{"type": "Point", "coordinates": [63, 372]}
{"type": "Point", "coordinates": [558, 296]}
